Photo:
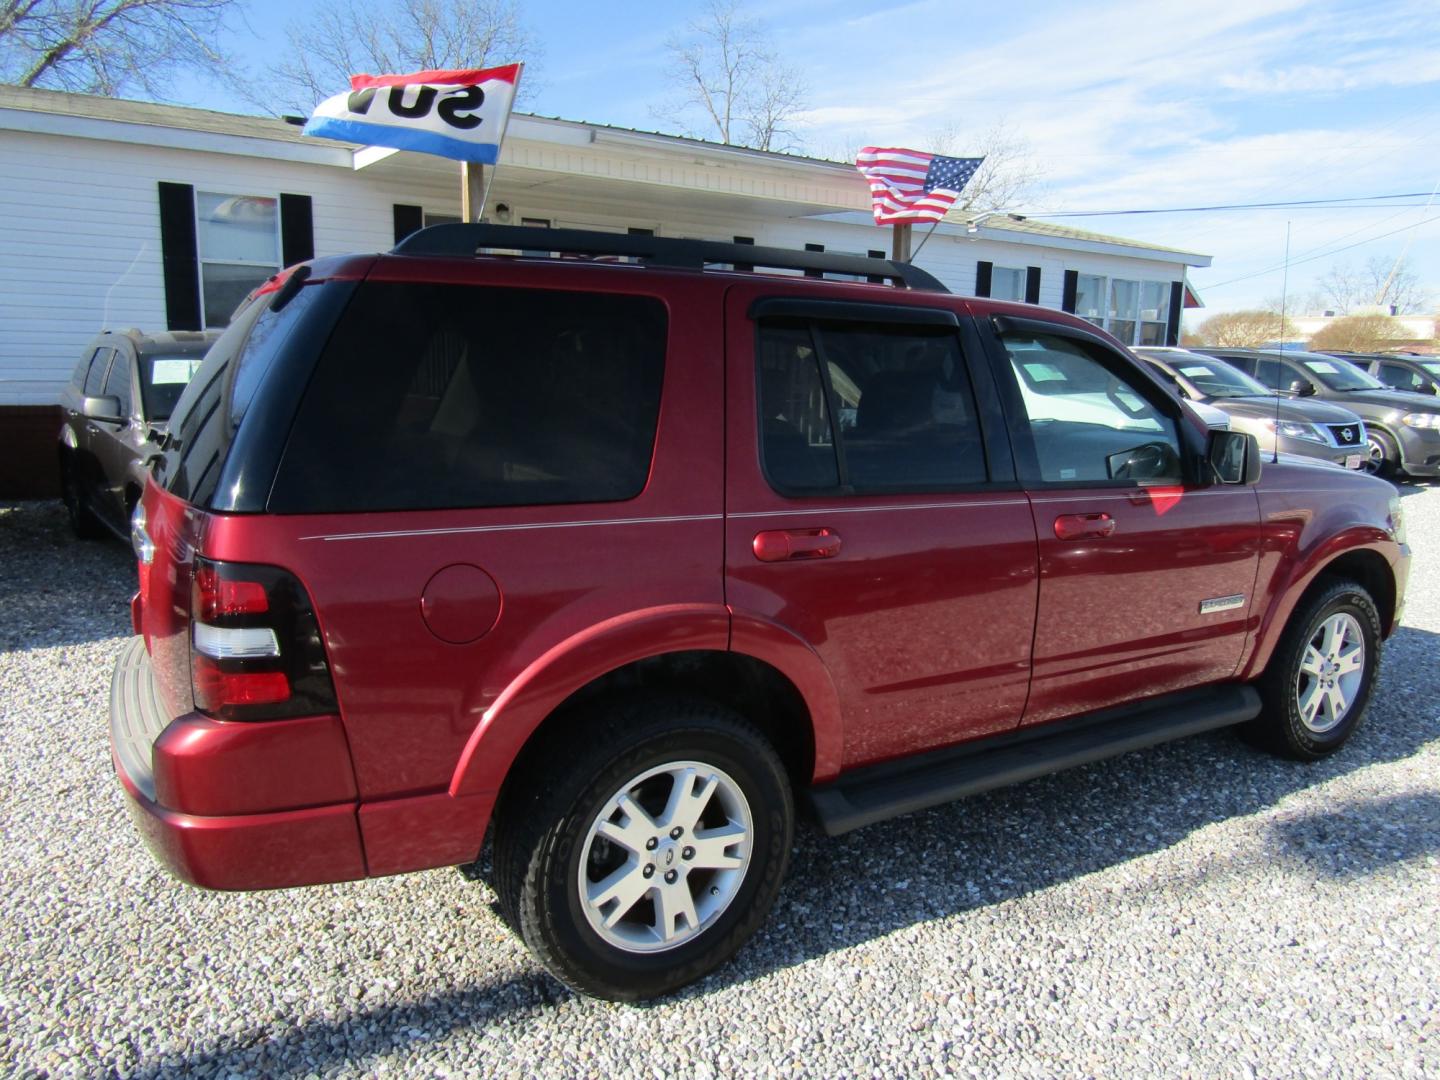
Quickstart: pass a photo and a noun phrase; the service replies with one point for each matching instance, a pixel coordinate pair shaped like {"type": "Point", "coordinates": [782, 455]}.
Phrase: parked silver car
{"type": "Point", "coordinates": [116, 409]}
{"type": "Point", "coordinates": [1309, 428]}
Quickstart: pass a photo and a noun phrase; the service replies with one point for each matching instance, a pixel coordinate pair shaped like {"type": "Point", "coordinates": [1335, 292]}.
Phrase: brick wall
{"type": "Point", "coordinates": [28, 440]}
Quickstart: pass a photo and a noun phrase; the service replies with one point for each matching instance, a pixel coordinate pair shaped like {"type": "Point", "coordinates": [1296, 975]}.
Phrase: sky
{"type": "Point", "coordinates": [1123, 106]}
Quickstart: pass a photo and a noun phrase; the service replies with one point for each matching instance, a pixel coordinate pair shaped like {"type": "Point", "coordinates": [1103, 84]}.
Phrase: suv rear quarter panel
{"type": "Point", "coordinates": [412, 702]}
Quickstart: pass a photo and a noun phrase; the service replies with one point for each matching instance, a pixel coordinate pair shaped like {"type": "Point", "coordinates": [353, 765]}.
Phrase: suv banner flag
{"type": "Point", "coordinates": [455, 114]}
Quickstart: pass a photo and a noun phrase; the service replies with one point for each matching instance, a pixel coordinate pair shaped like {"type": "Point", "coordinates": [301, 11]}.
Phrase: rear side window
{"type": "Point", "coordinates": [212, 403]}
{"type": "Point", "coordinates": [866, 408]}
{"type": "Point", "coordinates": [434, 396]}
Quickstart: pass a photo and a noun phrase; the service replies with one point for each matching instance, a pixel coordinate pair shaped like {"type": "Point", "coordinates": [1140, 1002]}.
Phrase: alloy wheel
{"type": "Point", "coordinates": [1332, 669]}
{"type": "Point", "coordinates": [665, 856]}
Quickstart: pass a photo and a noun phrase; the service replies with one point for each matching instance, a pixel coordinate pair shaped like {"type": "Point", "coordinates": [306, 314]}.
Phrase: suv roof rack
{"type": "Point", "coordinates": [468, 240]}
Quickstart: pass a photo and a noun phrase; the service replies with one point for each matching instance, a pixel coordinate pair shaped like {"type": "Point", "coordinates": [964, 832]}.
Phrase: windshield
{"type": "Point", "coordinates": [1338, 375]}
{"type": "Point", "coordinates": [1215, 378]}
{"type": "Point", "coordinates": [162, 380]}
{"type": "Point", "coordinates": [1431, 366]}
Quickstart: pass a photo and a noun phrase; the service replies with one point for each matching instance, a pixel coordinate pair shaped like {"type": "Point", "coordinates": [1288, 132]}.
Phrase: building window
{"type": "Point", "coordinates": [1136, 312]}
{"type": "Point", "coordinates": [1007, 283]}
{"type": "Point", "coordinates": [238, 237]}
{"type": "Point", "coordinates": [441, 219]}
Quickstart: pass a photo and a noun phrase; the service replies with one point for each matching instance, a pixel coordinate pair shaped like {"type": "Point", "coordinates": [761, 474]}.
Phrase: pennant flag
{"type": "Point", "coordinates": [455, 114]}
{"type": "Point", "coordinates": [908, 185]}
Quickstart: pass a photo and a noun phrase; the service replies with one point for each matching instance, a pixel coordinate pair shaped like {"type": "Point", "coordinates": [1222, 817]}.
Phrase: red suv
{"type": "Point", "coordinates": [621, 555]}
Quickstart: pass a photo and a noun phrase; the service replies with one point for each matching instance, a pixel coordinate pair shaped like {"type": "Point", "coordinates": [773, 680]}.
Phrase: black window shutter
{"type": "Point", "coordinates": [744, 240]}
{"type": "Point", "coordinates": [179, 256]}
{"type": "Point", "coordinates": [814, 247]}
{"type": "Point", "coordinates": [1071, 290]}
{"type": "Point", "coordinates": [297, 229]}
{"type": "Point", "coordinates": [1177, 298]}
{"type": "Point", "coordinates": [408, 219]}
{"type": "Point", "coordinates": [982, 278]}
{"type": "Point", "coordinates": [1032, 284]}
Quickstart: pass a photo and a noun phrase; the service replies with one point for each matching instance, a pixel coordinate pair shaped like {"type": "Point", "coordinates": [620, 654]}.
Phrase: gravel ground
{"type": "Point", "coordinates": [1195, 910]}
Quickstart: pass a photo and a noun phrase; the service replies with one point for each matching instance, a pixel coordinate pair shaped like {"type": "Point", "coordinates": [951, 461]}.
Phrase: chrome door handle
{"type": "Point", "coordinates": [1083, 526]}
{"type": "Point", "coordinates": [786, 545]}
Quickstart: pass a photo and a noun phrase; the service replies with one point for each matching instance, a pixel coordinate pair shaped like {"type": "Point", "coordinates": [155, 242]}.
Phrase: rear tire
{"type": "Point", "coordinates": [83, 522]}
{"type": "Point", "coordinates": [644, 850]}
{"type": "Point", "coordinates": [1319, 681]}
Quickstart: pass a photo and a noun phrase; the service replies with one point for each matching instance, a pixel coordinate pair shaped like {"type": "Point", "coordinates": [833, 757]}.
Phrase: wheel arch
{"type": "Point", "coordinates": [1366, 566]}
{"type": "Point", "coordinates": [690, 650]}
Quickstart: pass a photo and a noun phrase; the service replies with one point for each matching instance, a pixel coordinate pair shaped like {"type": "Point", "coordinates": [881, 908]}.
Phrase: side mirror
{"type": "Point", "coordinates": [104, 409]}
{"type": "Point", "coordinates": [1234, 457]}
{"type": "Point", "coordinates": [1300, 388]}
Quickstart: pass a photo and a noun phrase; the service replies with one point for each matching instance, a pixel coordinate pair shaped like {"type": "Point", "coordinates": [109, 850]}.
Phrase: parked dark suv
{"type": "Point", "coordinates": [115, 410]}
{"type": "Point", "coordinates": [1415, 374]}
{"type": "Point", "coordinates": [621, 556]}
{"type": "Point", "coordinates": [1402, 431]}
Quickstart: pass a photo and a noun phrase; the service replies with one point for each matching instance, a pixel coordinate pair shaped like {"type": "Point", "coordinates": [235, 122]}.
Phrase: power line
{"type": "Point", "coordinates": [1349, 202]}
{"type": "Point", "coordinates": [1321, 255]}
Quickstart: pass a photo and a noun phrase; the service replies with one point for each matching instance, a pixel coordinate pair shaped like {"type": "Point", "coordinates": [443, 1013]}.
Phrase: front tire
{"type": "Point", "coordinates": [644, 857]}
{"type": "Point", "coordinates": [1382, 456]}
{"type": "Point", "coordinates": [83, 522]}
{"type": "Point", "coordinates": [1319, 681]}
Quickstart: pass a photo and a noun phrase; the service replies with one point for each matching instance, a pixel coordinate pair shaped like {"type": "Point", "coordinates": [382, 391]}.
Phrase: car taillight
{"type": "Point", "coordinates": [255, 646]}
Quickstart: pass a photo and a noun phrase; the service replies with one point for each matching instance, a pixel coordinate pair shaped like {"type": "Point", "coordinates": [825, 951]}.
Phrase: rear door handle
{"type": "Point", "coordinates": [785, 545]}
{"type": "Point", "coordinates": [1084, 526]}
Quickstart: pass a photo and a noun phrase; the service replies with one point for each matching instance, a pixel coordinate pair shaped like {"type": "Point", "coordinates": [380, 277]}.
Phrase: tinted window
{"type": "Point", "coordinates": [1401, 378]}
{"type": "Point", "coordinates": [202, 427]}
{"type": "Point", "coordinates": [1088, 419]}
{"type": "Point", "coordinates": [99, 365]}
{"type": "Point", "coordinates": [117, 383]}
{"type": "Point", "coordinates": [899, 398]}
{"type": "Point", "coordinates": [433, 396]}
{"type": "Point", "coordinates": [77, 377]}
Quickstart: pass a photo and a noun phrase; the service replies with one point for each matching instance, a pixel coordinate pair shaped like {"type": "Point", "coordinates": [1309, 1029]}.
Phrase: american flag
{"type": "Point", "coordinates": [908, 185]}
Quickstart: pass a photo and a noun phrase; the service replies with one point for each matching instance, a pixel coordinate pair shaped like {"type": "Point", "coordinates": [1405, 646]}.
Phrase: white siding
{"type": "Point", "coordinates": [80, 239]}
{"type": "Point", "coordinates": [80, 230]}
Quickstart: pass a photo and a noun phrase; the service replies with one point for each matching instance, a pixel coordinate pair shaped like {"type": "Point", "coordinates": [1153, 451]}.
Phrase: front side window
{"type": "Point", "coordinates": [445, 396]}
{"type": "Point", "coordinates": [239, 242]}
{"type": "Point", "coordinates": [1088, 422]}
{"type": "Point", "coordinates": [117, 383]}
{"type": "Point", "coordinates": [866, 408]}
{"type": "Point", "coordinates": [95, 378]}
{"type": "Point", "coordinates": [1401, 378]}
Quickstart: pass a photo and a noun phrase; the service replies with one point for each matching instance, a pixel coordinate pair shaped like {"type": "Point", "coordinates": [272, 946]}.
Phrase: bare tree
{"type": "Point", "coordinates": [1245, 329]}
{"type": "Point", "coordinates": [1383, 282]}
{"type": "Point", "coordinates": [1393, 284]}
{"type": "Point", "coordinates": [1009, 177]}
{"type": "Point", "coordinates": [725, 71]}
{"type": "Point", "coordinates": [109, 46]}
{"type": "Point", "coordinates": [1358, 333]}
{"type": "Point", "coordinates": [341, 38]}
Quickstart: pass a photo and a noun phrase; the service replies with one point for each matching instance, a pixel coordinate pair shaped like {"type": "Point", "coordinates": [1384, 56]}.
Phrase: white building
{"type": "Point", "coordinates": [119, 214]}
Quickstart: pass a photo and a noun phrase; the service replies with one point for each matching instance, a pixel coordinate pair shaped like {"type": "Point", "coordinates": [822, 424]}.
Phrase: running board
{"type": "Point", "coordinates": [877, 792]}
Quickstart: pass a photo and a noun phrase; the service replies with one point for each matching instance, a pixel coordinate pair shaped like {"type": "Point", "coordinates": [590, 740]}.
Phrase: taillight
{"type": "Point", "coordinates": [255, 646]}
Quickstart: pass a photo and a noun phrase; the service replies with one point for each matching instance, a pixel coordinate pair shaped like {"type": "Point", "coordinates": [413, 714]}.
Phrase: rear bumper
{"type": "Point", "coordinates": [263, 848]}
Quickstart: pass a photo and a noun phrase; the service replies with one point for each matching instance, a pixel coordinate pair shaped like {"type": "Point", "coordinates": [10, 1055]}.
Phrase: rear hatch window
{"type": "Point", "coordinates": [434, 396]}
{"type": "Point", "coordinates": [206, 424]}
